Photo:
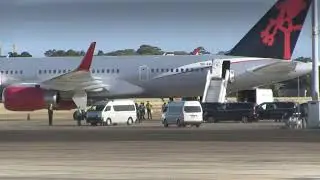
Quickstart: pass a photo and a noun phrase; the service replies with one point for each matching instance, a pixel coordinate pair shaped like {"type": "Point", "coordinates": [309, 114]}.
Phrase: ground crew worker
{"type": "Point", "coordinates": [138, 112]}
{"type": "Point", "coordinates": [149, 107]}
{"type": "Point", "coordinates": [163, 106]}
{"type": "Point", "coordinates": [142, 111]}
{"type": "Point", "coordinates": [50, 114]}
{"type": "Point", "coordinates": [79, 117]}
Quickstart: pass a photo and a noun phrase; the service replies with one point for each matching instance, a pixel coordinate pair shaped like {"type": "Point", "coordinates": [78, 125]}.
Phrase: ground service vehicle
{"type": "Point", "coordinates": [183, 113]}
{"type": "Point", "coordinates": [239, 111]}
{"type": "Point", "coordinates": [112, 112]}
{"type": "Point", "coordinates": [256, 96]}
{"type": "Point", "coordinates": [277, 111]}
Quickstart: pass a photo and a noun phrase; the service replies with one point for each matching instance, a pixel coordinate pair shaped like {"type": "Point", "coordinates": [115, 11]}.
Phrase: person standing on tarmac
{"type": "Point", "coordinates": [142, 111]}
{"type": "Point", "coordinates": [149, 106]}
{"type": "Point", "coordinates": [80, 116]}
{"type": "Point", "coordinates": [163, 106]}
{"type": "Point", "coordinates": [50, 114]}
{"type": "Point", "coordinates": [138, 112]}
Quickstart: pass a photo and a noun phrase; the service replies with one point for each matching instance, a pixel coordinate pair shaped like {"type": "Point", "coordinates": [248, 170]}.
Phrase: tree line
{"type": "Point", "coordinates": [142, 50]}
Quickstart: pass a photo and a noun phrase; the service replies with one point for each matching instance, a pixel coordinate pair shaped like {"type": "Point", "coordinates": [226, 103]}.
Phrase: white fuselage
{"type": "Point", "coordinates": [147, 76]}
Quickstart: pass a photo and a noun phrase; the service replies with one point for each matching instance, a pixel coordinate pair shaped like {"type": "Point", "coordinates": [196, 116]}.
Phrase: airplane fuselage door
{"type": "Point", "coordinates": [144, 73]}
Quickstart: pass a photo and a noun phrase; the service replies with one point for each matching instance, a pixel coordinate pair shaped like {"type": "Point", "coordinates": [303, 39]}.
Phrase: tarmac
{"type": "Point", "coordinates": [31, 150]}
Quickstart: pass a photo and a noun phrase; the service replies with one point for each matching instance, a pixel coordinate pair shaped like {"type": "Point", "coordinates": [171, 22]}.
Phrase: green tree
{"type": "Point", "coordinates": [13, 54]}
{"type": "Point", "coordinates": [61, 53]}
{"type": "Point", "coordinates": [100, 53]}
{"type": "Point", "coordinates": [149, 50]}
{"type": "Point", "coordinates": [303, 59]}
{"type": "Point", "coordinates": [124, 52]}
{"type": "Point", "coordinates": [25, 54]}
{"type": "Point", "coordinates": [50, 53]}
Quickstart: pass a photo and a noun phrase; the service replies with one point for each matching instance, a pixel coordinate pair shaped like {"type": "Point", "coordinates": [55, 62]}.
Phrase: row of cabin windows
{"type": "Point", "coordinates": [176, 70]}
{"type": "Point", "coordinates": [59, 71]}
{"type": "Point", "coordinates": [12, 72]}
{"type": "Point", "coordinates": [101, 71]}
{"type": "Point", "coordinates": [105, 70]}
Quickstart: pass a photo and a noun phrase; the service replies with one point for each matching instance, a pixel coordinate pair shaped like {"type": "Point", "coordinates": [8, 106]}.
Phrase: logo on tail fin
{"type": "Point", "coordinates": [196, 51]}
{"type": "Point", "coordinates": [288, 10]}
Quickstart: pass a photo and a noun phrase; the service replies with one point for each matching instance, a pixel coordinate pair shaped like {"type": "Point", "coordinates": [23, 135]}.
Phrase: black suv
{"type": "Point", "coordinates": [277, 111]}
{"type": "Point", "coordinates": [241, 111]}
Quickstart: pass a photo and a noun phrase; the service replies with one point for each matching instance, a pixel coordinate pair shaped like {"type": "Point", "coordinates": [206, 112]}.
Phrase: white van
{"type": "Point", "coordinates": [183, 113]}
{"type": "Point", "coordinates": [112, 112]}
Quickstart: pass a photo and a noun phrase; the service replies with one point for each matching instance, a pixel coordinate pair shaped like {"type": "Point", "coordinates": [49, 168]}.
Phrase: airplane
{"type": "Point", "coordinates": [261, 57]}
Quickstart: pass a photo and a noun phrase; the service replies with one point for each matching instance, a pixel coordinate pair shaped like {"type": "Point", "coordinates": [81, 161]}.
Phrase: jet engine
{"type": "Point", "coordinates": [20, 98]}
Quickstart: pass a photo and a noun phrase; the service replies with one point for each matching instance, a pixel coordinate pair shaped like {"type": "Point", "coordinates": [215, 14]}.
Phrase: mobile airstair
{"type": "Point", "coordinates": [217, 81]}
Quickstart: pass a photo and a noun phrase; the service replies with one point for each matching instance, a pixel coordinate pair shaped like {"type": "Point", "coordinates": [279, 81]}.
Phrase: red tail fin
{"type": "Point", "coordinates": [277, 32]}
{"type": "Point", "coordinates": [87, 59]}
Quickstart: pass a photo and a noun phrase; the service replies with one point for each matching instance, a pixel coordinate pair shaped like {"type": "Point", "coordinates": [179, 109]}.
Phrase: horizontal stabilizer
{"type": "Point", "coordinates": [280, 66]}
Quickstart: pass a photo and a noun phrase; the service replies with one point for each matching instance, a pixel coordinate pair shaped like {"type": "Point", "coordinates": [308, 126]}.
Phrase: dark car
{"type": "Point", "coordinates": [277, 111]}
{"type": "Point", "coordinates": [241, 111]}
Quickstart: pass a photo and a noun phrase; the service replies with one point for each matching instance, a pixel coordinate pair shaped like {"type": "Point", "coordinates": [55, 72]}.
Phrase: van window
{"type": "Point", "coordinates": [174, 109]}
{"type": "Point", "coordinates": [124, 108]}
{"type": "Point", "coordinates": [285, 105]}
{"type": "Point", "coordinates": [192, 109]}
{"type": "Point", "coordinates": [108, 108]}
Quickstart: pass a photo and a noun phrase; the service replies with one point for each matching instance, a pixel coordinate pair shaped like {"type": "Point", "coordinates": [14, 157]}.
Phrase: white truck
{"type": "Point", "coordinates": [264, 95]}
{"type": "Point", "coordinates": [257, 96]}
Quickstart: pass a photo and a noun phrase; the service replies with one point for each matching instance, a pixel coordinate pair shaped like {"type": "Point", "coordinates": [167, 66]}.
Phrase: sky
{"type": "Point", "coordinates": [38, 25]}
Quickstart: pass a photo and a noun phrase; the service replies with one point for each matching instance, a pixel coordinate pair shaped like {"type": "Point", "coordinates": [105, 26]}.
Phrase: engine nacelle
{"type": "Point", "coordinates": [20, 98]}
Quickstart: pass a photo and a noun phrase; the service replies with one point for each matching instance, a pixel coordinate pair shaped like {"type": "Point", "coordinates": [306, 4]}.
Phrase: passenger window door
{"type": "Point", "coordinates": [106, 110]}
{"type": "Point", "coordinates": [262, 111]}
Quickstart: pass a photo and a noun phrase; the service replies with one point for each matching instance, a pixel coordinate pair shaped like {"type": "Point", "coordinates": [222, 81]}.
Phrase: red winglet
{"type": "Point", "coordinates": [87, 59]}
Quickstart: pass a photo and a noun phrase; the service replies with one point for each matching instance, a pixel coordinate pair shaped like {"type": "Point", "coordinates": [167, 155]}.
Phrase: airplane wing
{"type": "Point", "coordinates": [79, 79]}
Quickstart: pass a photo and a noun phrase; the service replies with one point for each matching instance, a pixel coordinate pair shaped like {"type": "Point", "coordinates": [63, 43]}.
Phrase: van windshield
{"type": "Point", "coordinates": [192, 109]}
{"type": "Point", "coordinates": [96, 108]}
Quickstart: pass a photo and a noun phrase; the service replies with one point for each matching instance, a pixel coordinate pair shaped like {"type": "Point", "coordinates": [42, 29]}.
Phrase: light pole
{"type": "Point", "coordinates": [315, 55]}
{"type": "Point", "coordinates": [298, 86]}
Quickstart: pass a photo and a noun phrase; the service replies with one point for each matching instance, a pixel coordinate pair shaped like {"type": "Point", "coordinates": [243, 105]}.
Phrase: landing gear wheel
{"type": "Point", "coordinates": [197, 125]}
{"type": "Point", "coordinates": [94, 124]}
{"type": "Point", "coordinates": [165, 123]}
{"type": "Point", "coordinates": [108, 122]}
{"type": "Point", "coordinates": [79, 122]}
{"type": "Point", "coordinates": [130, 121]}
{"type": "Point", "coordinates": [179, 123]}
{"type": "Point", "coordinates": [244, 119]}
{"type": "Point", "coordinates": [211, 120]}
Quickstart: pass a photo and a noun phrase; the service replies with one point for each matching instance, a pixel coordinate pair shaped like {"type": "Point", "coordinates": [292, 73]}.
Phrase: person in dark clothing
{"type": "Point", "coordinates": [80, 117]}
{"type": "Point", "coordinates": [142, 111]}
{"type": "Point", "coordinates": [138, 112]}
{"type": "Point", "coordinates": [50, 114]}
{"type": "Point", "coordinates": [163, 106]}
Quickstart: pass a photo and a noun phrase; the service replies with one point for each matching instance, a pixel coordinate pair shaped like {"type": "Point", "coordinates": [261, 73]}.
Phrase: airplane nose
{"type": "Point", "coordinates": [303, 68]}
